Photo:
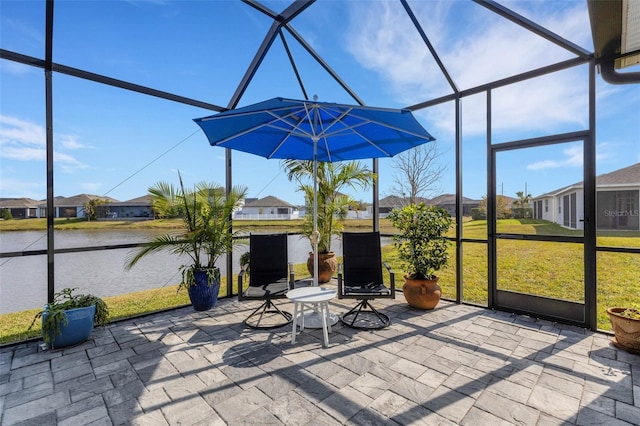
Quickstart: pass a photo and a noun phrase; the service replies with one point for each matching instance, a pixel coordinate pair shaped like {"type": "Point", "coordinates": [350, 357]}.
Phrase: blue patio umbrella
{"type": "Point", "coordinates": [311, 130]}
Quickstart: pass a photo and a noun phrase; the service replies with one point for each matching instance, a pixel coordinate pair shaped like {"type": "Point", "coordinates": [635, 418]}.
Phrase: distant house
{"type": "Point", "coordinates": [388, 203]}
{"type": "Point", "coordinates": [269, 207]}
{"type": "Point", "coordinates": [71, 207]}
{"type": "Point", "coordinates": [391, 202]}
{"type": "Point", "coordinates": [448, 202]}
{"type": "Point", "coordinates": [617, 202]}
{"type": "Point", "coordinates": [21, 208]}
{"type": "Point", "coordinates": [136, 208]}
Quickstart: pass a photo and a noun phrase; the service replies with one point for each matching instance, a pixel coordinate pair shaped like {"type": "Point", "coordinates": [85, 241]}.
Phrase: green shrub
{"type": "Point", "coordinates": [478, 214]}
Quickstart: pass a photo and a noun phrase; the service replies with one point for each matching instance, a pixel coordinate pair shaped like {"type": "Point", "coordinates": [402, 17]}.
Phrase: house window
{"type": "Point", "coordinates": [546, 206]}
{"type": "Point", "coordinates": [573, 219]}
{"type": "Point", "coordinates": [569, 217]}
{"type": "Point", "coordinates": [618, 210]}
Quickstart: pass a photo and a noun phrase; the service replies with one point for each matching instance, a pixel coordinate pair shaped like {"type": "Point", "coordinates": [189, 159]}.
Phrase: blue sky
{"type": "Point", "coordinates": [110, 141]}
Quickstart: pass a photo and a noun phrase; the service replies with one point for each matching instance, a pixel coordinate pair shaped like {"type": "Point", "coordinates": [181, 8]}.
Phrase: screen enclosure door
{"type": "Point", "coordinates": [536, 222]}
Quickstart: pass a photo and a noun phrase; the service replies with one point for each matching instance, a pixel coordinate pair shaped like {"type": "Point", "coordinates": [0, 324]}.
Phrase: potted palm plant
{"type": "Point", "coordinates": [332, 205]}
{"type": "Point", "coordinates": [205, 234]}
{"type": "Point", "coordinates": [70, 318]}
{"type": "Point", "coordinates": [422, 247]}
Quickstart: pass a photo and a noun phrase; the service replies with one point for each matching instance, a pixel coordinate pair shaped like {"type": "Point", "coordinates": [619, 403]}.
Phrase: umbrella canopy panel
{"type": "Point", "coordinates": [317, 131]}
{"type": "Point", "coordinates": [287, 129]}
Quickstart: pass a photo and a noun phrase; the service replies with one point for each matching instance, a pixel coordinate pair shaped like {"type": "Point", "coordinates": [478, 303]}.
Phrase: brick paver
{"type": "Point", "coordinates": [456, 364]}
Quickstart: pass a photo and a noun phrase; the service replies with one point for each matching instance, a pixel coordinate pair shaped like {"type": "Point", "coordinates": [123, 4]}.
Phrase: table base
{"type": "Point", "coordinates": [313, 319]}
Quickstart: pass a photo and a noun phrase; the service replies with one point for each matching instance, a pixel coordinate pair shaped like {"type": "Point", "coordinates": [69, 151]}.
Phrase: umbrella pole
{"type": "Point", "coordinates": [315, 212]}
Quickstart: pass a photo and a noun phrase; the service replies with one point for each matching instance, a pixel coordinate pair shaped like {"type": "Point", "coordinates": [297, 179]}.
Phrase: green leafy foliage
{"type": "Point", "coordinates": [503, 207]}
{"type": "Point", "coordinates": [206, 231]}
{"type": "Point", "coordinates": [63, 301]}
{"type": "Point", "coordinates": [91, 208]}
{"type": "Point", "coordinates": [630, 313]}
{"type": "Point", "coordinates": [332, 205]}
{"type": "Point", "coordinates": [421, 242]}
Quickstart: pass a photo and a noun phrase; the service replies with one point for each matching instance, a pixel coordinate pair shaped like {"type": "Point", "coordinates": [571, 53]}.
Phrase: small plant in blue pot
{"type": "Point", "coordinates": [70, 318]}
{"type": "Point", "coordinates": [205, 235]}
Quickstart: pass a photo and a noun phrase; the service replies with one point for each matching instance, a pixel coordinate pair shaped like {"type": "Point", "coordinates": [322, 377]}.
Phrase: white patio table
{"type": "Point", "coordinates": [318, 299]}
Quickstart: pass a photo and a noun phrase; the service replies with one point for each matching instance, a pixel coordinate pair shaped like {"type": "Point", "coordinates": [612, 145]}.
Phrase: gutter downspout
{"type": "Point", "coordinates": [607, 68]}
{"type": "Point", "coordinates": [610, 75]}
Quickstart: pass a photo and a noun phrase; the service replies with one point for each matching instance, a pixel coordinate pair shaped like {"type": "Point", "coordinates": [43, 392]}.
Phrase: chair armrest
{"type": "Point", "coordinates": [241, 275]}
{"type": "Point", "coordinates": [340, 283]}
{"type": "Point", "coordinates": [392, 279]}
{"type": "Point", "coordinates": [292, 277]}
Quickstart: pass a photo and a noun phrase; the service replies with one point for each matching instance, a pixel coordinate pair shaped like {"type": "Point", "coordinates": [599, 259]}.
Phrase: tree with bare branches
{"type": "Point", "coordinates": [418, 173]}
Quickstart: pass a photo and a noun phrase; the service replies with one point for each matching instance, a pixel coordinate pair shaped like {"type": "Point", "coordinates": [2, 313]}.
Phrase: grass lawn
{"type": "Point", "coordinates": [541, 268]}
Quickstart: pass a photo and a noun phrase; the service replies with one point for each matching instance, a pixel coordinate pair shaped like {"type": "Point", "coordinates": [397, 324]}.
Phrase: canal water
{"type": "Point", "coordinates": [23, 280]}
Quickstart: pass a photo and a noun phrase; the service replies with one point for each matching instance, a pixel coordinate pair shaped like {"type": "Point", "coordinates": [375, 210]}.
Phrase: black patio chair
{"type": "Point", "coordinates": [360, 277]}
{"type": "Point", "coordinates": [270, 277]}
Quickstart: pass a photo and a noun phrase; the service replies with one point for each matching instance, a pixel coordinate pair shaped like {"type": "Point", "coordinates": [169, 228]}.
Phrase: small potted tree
{"type": "Point", "coordinates": [70, 318]}
{"type": "Point", "coordinates": [422, 247]}
{"type": "Point", "coordinates": [332, 205]}
{"type": "Point", "coordinates": [204, 237]}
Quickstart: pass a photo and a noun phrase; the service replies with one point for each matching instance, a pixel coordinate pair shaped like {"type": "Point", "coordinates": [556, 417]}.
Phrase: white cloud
{"type": "Point", "coordinates": [573, 158]}
{"type": "Point", "coordinates": [26, 141]}
{"type": "Point", "coordinates": [23, 153]}
{"type": "Point", "coordinates": [17, 188]}
{"type": "Point", "coordinates": [479, 49]}
{"type": "Point", "coordinates": [28, 32]}
{"type": "Point", "coordinates": [20, 131]}
{"type": "Point", "coordinates": [68, 161]}
{"type": "Point", "coordinates": [15, 68]}
{"type": "Point", "coordinates": [70, 142]}
{"type": "Point", "coordinates": [605, 151]}
{"type": "Point", "coordinates": [382, 40]}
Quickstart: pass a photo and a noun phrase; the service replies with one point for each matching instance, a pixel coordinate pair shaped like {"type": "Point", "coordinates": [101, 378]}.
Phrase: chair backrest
{"type": "Point", "coordinates": [268, 261]}
{"type": "Point", "coordinates": [362, 258]}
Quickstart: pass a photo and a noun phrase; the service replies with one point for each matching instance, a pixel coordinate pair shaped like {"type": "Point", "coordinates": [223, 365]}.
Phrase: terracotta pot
{"type": "Point", "coordinates": [327, 266]}
{"type": "Point", "coordinates": [422, 294]}
{"type": "Point", "coordinates": [626, 330]}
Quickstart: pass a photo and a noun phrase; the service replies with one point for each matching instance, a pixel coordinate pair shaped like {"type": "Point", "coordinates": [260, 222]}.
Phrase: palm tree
{"type": "Point", "coordinates": [523, 200]}
{"type": "Point", "coordinates": [90, 208]}
{"type": "Point", "coordinates": [332, 205]}
{"type": "Point", "coordinates": [522, 205]}
{"type": "Point", "coordinates": [358, 206]}
{"type": "Point", "coordinates": [206, 231]}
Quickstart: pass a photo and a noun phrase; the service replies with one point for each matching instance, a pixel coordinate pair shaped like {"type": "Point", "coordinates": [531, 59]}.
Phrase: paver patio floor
{"type": "Point", "coordinates": [456, 364]}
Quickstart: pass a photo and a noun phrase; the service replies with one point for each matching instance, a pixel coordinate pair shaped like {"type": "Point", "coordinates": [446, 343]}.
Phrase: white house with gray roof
{"type": "Point", "coordinates": [71, 207]}
{"type": "Point", "coordinates": [269, 207]}
{"type": "Point", "coordinates": [617, 202]}
{"type": "Point", "coordinates": [21, 208]}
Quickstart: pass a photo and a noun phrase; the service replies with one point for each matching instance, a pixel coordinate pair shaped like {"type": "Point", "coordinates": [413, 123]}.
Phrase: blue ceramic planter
{"type": "Point", "coordinates": [79, 327]}
{"type": "Point", "coordinates": [202, 295]}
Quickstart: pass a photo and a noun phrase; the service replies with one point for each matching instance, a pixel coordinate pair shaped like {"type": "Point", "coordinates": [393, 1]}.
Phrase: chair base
{"type": "Point", "coordinates": [369, 317]}
{"type": "Point", "coordinates": [268, 308]}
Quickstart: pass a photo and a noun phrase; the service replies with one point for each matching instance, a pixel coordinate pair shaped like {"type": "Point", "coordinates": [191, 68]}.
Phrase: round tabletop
{"type": "Point", "coordinates": [311, 294]}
